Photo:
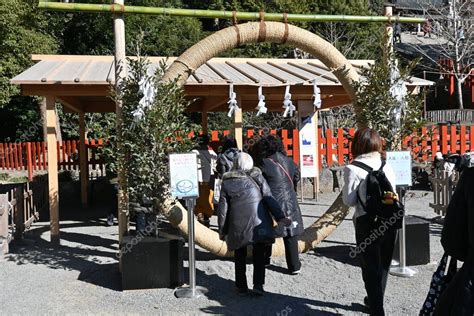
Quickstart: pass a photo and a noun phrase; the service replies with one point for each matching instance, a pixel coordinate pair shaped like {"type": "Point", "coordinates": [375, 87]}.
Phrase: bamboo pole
{"type": "Point", "coordinates": [213, 14]}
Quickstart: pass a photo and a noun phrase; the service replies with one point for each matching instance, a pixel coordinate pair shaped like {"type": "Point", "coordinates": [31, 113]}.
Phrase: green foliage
{"type": "Point", "coordinates": [146, 143]}
{"type": "Point", "coordinates": [375, 106]}
{"type": "Point", "coordinates": [22, 32]}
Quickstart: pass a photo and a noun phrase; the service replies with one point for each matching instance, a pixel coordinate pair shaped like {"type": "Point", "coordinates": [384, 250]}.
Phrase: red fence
{"type": "Point", "coordinates": [334, 148]}
{"type": "Point", "coordinates": [33, 155]}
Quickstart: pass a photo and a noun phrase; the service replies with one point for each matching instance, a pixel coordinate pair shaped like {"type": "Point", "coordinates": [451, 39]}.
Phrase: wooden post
{"type": "Point", "coordinates": [29, 163]}
{"type": "Point", "coordinates": [204, 124]}
{"type": "Point", "coordinates": [238, 125]}
{"type": "Point", "coordinates": [83, 157]}
{"type": "Point", "coordinates": [120, 75]}
{"type": "Point", "coordinates": [18, 215]}
{"type": "Point", "coordinates": [52, 167]}
{"type": "Point", "coordinates": [4, 208]}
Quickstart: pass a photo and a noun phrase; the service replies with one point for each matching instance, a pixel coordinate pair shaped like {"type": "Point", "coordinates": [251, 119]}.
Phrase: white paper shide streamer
{"type": "Point", "coordinates": [146, 88]}
{"type": "Point", "coordinates": [232, 101]}
{"type": "Point", "coordinates": [262, 109]}
{"type": "Point", "coordinates": [288, 104]}
{"type": "Point", "coordinates": [316, 95]}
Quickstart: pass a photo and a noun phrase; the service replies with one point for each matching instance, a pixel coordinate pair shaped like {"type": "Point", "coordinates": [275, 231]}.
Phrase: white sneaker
{"type": "Point", "coordinates": [296, 272]}
{"type": "Point", "coordinates": [110, 220]}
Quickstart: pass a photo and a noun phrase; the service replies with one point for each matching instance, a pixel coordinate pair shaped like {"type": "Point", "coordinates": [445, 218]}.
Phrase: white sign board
{"type": "Point", "coordinates": [184, 175]}
{"type": "Point", "coordinates": [308, 141]}
{"type": "Point", "coordinates": [400, 161]}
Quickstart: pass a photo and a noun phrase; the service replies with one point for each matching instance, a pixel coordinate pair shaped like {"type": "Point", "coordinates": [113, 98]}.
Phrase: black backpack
{"type": "Point", "coordinates": [377, 206]}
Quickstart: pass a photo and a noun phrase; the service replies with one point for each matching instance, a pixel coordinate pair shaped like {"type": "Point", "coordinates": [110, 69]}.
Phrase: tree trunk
{"type": "Point", "coordinates": [459, 94]}
{"type": "Point", "coordinates": [209, 239]}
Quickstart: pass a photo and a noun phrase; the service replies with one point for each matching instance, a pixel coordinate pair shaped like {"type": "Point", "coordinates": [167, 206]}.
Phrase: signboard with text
{"type": "Point", "coordinates": [400, 161]}
{"type": "Point", "coordinates": [184, 175]}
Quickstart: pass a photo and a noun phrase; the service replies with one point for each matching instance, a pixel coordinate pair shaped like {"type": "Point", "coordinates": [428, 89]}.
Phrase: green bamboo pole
{"type": "Point", "coordinates": [212, 14]}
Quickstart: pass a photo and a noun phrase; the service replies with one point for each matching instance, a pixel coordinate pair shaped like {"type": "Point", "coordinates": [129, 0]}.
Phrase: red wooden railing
{"type": "Point", "coordinates": [334, 148]}
{"type": "Point", "coordinates": [32, 156]}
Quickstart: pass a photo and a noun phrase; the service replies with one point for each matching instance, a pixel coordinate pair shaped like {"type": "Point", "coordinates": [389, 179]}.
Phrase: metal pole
{"type": "Point", "coordinates": [213, 14]}
{"type": "Point", "coordinates": [191, 291]}
{"type": "Point", "coordinates": [402, 270]}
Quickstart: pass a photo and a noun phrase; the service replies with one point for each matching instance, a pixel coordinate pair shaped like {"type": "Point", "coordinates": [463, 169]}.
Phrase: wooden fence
{"type": "Point", "coordinates": [334, 147]}
{"type": "Point", "coordinates": [22, 204]}
{"type": "Point", "coordinates": [32, 156]}
{"type": "Point", "coordinates": [443, 184]}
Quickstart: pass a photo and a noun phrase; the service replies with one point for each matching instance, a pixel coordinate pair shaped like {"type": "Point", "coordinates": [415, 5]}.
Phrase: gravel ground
{"type": "Point", "coordinates": [81, 276]}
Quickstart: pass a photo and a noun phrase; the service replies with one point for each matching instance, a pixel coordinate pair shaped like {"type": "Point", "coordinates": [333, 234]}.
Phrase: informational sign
{"type": "Point", "coordinates": [184, 175]}
{"type": "Point", "coordinates": [308, 141]}
{"type": "Point", "coordinates": [400, 161]}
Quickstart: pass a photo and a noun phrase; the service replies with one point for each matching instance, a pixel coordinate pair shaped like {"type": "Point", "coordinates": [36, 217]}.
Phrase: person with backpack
{"type": "Point", "coordinates": [368, 186]}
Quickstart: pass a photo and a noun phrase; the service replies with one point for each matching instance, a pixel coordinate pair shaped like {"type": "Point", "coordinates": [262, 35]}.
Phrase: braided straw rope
{"type": "Point", "coordinates": [228, 39]}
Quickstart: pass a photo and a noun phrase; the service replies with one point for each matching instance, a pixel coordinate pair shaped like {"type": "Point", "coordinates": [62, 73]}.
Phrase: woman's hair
{"type": "Point", "coordinates": [229, 142]}
{"type": "Point", "coordinates": [366, 140]}
{"type": "Point", "coordinates": [242, 162]}
{"type": "Point", "coordinates": [269, 145]}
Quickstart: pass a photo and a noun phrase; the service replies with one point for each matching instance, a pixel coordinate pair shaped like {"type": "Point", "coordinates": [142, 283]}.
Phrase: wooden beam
{"type": "Point", "coordinates": [52, 167]}
{"type": "Point", "coordinates": [204, 122]}
{"type": "Point", "coordinates": [83, 157]}
{"type": "Point", "coordinates": [66, 89]}
{"type": "Point", "coordinates": [71, 103]}
{"type": "Point", "coordinates": [238, 135]}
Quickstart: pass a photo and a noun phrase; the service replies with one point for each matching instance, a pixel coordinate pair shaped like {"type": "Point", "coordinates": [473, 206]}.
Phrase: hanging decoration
{"type": "Point", "coordinates": [316, 95]}
{"type": "Point", "coordinates": [232, 101]}
{"type": "Point", "coordinates": [288, 104]}
{"type": "Point", "coordinates": [146, 88]}
{"type": "Point", "coordinates": [262, 109]}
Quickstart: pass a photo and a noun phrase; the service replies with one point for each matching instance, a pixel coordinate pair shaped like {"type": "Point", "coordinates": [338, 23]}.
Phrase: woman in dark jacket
{"type": "Point", "coordinates": [458, 242]}
{"type": "Point", "coordinates": [282, 175]}
{"type": "Point", "coordinates": [244, 219]}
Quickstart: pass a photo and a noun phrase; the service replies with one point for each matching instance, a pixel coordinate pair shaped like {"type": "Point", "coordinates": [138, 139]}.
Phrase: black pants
{"type": "Point", "coordinates": [375, 250]}
{"type": "Point", "coordinates": [291, 253]}
{"type": "Point", "coordinates": [240, 258]}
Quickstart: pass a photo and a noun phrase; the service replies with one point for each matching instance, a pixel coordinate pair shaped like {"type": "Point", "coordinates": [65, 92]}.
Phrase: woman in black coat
{"type": "Point", "coordinates": [245, 211]}
{"type": "Point", "coordinates": [458, 241]}
{"type": "Point", "coordinates": [282, 175]}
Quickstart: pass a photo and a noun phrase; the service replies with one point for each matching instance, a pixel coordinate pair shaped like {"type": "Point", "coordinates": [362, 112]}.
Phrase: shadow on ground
{"type": "Point", "coordinates": [78, 251]}
{"type": "Point", "coordinates": [223, 291]}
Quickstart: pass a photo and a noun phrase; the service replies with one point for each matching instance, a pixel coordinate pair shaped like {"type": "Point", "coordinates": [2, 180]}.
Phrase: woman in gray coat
{"type": "Point", "coordinates": [245, 211]}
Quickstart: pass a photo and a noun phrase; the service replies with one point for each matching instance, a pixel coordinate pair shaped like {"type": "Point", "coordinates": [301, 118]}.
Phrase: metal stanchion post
{"type": "Point", "coordinates": [402, 270]}
{"type": "Point", "coordinates": [191, 291]}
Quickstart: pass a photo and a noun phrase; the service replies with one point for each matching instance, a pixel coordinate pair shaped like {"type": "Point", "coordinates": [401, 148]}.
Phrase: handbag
{"type": "Point", "coordinates": [445, 272]}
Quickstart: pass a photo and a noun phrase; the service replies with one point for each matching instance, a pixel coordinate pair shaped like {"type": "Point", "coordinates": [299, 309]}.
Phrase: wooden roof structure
{"type": "Point", "coordinates": [83, 83]}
